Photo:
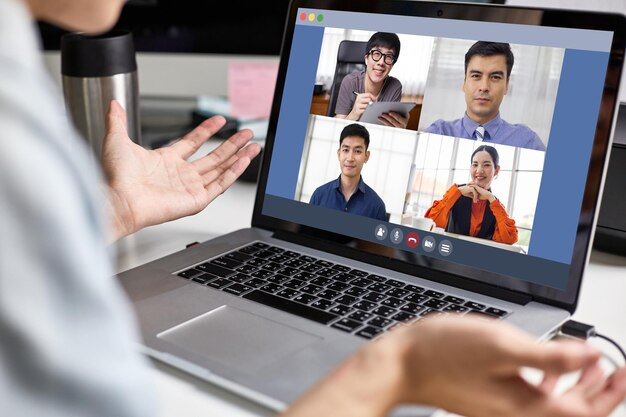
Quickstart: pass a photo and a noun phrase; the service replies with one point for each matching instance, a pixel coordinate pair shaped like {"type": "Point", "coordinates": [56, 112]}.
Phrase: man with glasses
{"type": "Point", "coordinates": [361, 88]}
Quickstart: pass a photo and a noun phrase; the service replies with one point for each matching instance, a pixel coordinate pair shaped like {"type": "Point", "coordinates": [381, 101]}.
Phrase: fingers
{"type": "Point", "coordinates": [612, 395]}
{"type": "Point", "coordinates": [250, 152]}
{"type": "Point", "coordinates": [228, 177]}
{"type": "Point", "coordinates": [223, 152]}
{"type": "Point", "coordinates": [190, 143]}
{"type": "Point", "coordinates": [554, 357]}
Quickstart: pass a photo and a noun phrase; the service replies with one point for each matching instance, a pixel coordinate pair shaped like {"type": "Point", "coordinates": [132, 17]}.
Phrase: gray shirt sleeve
{"type": "Point", "coordinates": [67, 333]}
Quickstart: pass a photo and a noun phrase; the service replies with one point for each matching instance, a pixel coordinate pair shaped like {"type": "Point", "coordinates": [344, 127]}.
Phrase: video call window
{"type": "Point", "coordinates": [441, 161]}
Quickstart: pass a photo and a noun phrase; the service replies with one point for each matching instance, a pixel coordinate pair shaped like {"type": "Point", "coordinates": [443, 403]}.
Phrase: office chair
{"type": "Point", "coordinates": [350, 57]}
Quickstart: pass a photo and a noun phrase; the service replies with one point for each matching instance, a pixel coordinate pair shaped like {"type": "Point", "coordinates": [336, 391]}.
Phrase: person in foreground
{"type": "Point", "coordinates": [349, 193]}
{"type": "Point", "coordinates": [67, 334]}
{"type": "Point", "coordinates": [471, 209]}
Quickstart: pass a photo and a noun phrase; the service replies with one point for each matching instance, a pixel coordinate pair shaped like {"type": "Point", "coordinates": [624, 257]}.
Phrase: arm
{"type": "Point", "coordinates": [440, 210]}
{"type": "Point", "coordinates": [506, 231]}
{"type": "Point", "coordinates": [151, 187]}
{"type": "Point", "coordinates": [464, 365]}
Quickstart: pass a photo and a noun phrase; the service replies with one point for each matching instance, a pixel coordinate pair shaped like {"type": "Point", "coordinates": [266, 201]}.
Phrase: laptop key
{"type": "Point", "coordinates": [239, 277]}
{"type": "Point", "coordinates": [219, 283]}
{"type": "Point", "coordinates": [189, 273]}
{"type": "Point", "coordinates": [393, 302]}
{"type": "Point", "coordinates": [203, 278]}
{"type": "Point", "coordinates": [412, 308]}
{"type": "Point", "coordinates": [360, 316]}
{"type": "Point", "coordinates": [341, 309]}
{"type": "Point", "coordinates": [288, 293]}
{"type": "Point", "coordinates": [216, 270]}
{"type": "Point", "coordinates": [378, 287]}
{"type": "Point", "coordinates": [341, 268]}
{"type": "Point", "coordinates": [414, 288]}
{"type": "Point", "coordinates": [395, 283]}
{"type": "Point", "coordinates": [415, 298]}
{"type": "Point", "coordinates": [239, 256]}
{"type": "Point", "coordinates": [434, 294]}
{"type": "Point", "coordinates": [474, 305]}
{"type": "Point", "coordinates": [383, 311]}
{"type": "Point", "coordinates": [347, 325]}
{"type": "Point", "coordinates": [374, 297]}
{"type": "Point", "coordinates": [226, 262]}
{"type": "Point", "coordinates": [290, 306]}
{"type": "Point", "coordinates": [435, 304]}
{"type": "Point", "coordinates": [455, 300]}
{"type": "Point", "coordinates": [381, 322]}
{"type": "Point", "coordinates": [272, 266]}
{"type": "Point", "coordinates": [376, 278]}
{"type": "Point", "coordinates": [369, 332]}
{"type": "Point", "coordinates": [496, 312]}
{"type": "Point", "coordinates": [365, 305]}
{"type": "Point", "coordinates": [246, 269]}
{"type": "Point", "coordinates": [250, 249]}
{"type": "Point", "coordinates": [323, 304]}
{"type": "Point", "coordinates": [237, 289]}
{"type": "Point", "coordinates": [455, 308]}
{"type": "Point", "coordinates": [338, 286]}
{"type": "Point", "coordinates": [305, 298]}
{"type": "Point", "coordinates": [271, 288]}
{"type": "Point", "coordinates": [257, 262]}
{"type": "Point", "coordinates": [398, 292]}
{"type": "Point", "coordinates": [260, 245]}
{"type": "Point", "coordinates": [356, 291]}
{"type": "Point", "coordinates": [255, 282]}
{"type": "Point", "coordinates": [403, 316]}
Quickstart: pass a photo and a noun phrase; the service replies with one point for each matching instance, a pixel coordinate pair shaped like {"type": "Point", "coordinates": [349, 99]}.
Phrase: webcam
{"type": "Point", "coordinates": [439, 13]}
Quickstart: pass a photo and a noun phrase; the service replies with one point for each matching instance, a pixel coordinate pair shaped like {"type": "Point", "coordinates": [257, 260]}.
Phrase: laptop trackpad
{"type": "Point", "coordinates": [238, 339]}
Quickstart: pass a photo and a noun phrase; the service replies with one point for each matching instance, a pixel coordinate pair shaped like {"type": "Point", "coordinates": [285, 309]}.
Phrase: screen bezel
{"type": "Point", "coordinates": [436, 269]}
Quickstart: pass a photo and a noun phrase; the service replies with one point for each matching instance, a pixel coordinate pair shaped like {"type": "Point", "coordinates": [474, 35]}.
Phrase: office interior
{"type": "Point", "coordinates": [177, 82]}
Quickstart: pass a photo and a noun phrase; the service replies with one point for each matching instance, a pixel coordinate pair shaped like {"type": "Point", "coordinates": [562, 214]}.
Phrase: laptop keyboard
{"type": "Point", "coordinates": [336, 295]}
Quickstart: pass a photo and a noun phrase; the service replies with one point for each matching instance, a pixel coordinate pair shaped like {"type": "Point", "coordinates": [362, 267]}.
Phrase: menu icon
{"type": "Point", "coordinates": [445, 247]}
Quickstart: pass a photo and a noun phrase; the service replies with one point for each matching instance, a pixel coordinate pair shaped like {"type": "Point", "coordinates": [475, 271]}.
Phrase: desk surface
{"type": "Point", "coordinates": [601, 301]}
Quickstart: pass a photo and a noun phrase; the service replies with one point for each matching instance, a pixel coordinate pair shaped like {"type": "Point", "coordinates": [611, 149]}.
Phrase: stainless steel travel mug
{"type": "Point", "coordinates": [96, 70]}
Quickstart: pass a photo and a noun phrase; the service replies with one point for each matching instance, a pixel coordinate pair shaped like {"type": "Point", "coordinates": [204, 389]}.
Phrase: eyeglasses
{"type": "Point", "coordinates": [390, 59]}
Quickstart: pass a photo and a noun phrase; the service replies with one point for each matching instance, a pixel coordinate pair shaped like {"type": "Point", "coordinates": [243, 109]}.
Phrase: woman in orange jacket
{"type": "Point", "coordinates": [471, 209]}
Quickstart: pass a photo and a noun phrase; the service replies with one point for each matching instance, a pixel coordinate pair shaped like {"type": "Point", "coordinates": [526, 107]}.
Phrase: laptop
{"type": "Point", "coordinates": [268, 310]}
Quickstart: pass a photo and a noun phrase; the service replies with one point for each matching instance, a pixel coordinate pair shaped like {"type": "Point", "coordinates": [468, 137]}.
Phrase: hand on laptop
{"type": "Point", "coordinates": [148, 187]}
{"type": "Point", "coordinates": [467, 366]}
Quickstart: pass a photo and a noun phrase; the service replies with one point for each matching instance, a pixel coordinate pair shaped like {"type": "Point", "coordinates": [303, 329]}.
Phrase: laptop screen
{"type": "Point", "coordinates": [470, 146]}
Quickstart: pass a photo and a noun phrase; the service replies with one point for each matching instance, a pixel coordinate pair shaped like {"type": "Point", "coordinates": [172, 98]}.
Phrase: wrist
{"type": "Point", "coordinates": [121, 222]}
{"type": "Point", "coordinates": [368, 383]}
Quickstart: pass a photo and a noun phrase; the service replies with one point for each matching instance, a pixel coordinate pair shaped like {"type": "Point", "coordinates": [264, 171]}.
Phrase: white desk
{"type": "Point", "coordinates": [601, 303]}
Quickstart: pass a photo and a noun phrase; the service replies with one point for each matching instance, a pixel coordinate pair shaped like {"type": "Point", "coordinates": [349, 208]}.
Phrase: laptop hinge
{"type": "Point", "coordinates": [343, 248]}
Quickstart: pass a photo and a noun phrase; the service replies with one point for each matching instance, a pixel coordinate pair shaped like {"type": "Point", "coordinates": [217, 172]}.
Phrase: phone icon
{"type": "Point", "coordinates": [412, 239]}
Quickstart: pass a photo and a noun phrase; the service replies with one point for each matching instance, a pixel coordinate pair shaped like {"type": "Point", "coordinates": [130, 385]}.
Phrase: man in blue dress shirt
{"type": "Point", "coordinates": [349, 193]}
{"type": "Point", "coordinates": [487, 70]}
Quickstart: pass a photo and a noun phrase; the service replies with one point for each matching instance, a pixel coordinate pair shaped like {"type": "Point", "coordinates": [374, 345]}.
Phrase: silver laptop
{"type": "Point", "coordinates": [268, 310]}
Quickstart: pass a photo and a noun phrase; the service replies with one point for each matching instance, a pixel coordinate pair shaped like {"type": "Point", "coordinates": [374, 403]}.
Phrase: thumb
{"type": "Point", "coordinates": [116, 118]}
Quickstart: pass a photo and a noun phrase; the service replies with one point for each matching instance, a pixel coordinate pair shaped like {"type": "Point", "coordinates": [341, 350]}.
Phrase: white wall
{"type": "Point", "coordinates": [614, 6]}
{"type": "Point", "coordinates": [173, 74]}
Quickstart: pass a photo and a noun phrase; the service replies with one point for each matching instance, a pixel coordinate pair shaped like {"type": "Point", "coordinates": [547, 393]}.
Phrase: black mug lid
{"type": "Point", "coordinates": [102, 55]}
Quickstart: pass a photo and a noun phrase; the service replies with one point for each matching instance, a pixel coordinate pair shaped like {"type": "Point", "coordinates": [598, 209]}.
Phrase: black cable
{"type": "Point", "coordinates": [585, 331]}
{"type": "Point", "coordinates": [608, 339]}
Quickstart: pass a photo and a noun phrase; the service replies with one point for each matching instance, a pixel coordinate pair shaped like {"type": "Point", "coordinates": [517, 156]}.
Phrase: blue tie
{"type": "Point", "coordinates": [480, 133]}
